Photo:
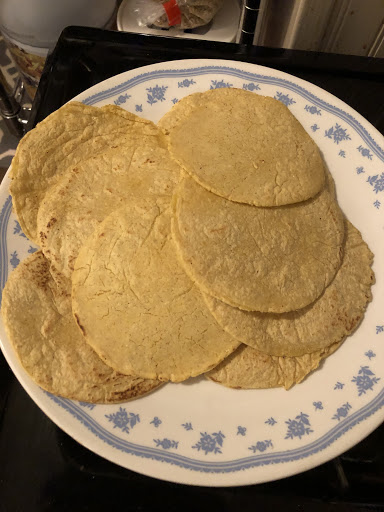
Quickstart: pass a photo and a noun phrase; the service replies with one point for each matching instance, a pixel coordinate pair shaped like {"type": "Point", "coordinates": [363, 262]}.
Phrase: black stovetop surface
{"type": "Point", "coordinates": [42, 468]}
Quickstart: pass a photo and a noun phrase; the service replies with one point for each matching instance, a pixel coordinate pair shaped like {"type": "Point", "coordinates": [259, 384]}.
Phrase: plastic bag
{"type": "Point", "coordinates": [183, 14]}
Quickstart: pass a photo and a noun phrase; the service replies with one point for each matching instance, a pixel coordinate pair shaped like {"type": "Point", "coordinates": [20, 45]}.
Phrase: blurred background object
{"type": "Point", "coordinates": [353, 27]}
{"type": "Point", "coordinates": [211, 20]}
{"type": "Point", "coordinates": [184, 14]}
{"type": "Point", "coordinates": [9, 80]}
{"type": "Point", "coordinates": [32, 27]}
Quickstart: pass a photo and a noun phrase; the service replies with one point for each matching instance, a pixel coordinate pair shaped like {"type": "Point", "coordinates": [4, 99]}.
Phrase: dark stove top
{"type": "Point", "coordinates": [43, 469]}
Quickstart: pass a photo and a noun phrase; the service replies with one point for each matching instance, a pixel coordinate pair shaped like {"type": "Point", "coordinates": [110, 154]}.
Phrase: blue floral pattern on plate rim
{"type": "Point", "coordinates": [205, 450]}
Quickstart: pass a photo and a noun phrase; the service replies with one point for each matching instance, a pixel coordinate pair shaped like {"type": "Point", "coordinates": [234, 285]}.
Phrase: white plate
{"type": "Point", "coordinates": [199, 432]}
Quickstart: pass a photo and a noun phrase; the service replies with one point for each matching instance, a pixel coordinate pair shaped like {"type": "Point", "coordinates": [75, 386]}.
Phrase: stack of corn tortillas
{"type": "Point", "coordinates": [209, 244]}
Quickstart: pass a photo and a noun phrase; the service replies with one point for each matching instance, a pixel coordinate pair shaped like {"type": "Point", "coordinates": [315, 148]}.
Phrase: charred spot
{"type": "Point", "coordinates": [353, 323]}
{"type": "Point", "coordinates": [51, 222]}
{"type": "Point", "coordinates": [43, 236]}
{"type": "Point", "coordinates": [101, 234]}
{"type": "Point", "coordinates": [41, 274]}
{"type": "Point", "coordinates": [122, 395]}
{"type": "Point", "coordinates": [75, 170]}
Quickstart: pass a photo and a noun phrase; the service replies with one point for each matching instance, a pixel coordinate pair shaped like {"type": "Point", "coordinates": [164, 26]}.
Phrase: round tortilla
{"type": "Point", "coordinates": [244, 147]}
{"type": "Point", "coordinates": [66, 137]}
{"type": "Point", "coordinates": [334, 315]}
{"type": "Point", "coordinates": [247, 368]}
{"type": "Point", "coordinates": [136, 306]}
{"type": "Point", "coordinates": [39, 323]}
{"type": "Point", "coordinates": [91, 190]}
{"type": "Point", "coordinates": [258, 259]}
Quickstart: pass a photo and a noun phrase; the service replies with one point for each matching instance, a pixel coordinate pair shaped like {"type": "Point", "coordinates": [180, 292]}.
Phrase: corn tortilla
{"type": "Point", "coordinates": [258, 259]}
{"type": "Point", "coordinates": [244, 147]}
{"type": "Point", "coordinates": [136, 306]}
{"type": "Point", "coordinates": [247, 368]}
{"type": "Point", "coordinates": [91, 190]}
{"type": "Point", "coordinates": [66, 137]}
{"type": "Point", "coordinates": [334, 315]}
{"type": "Point", "coordinates": [39, 323]}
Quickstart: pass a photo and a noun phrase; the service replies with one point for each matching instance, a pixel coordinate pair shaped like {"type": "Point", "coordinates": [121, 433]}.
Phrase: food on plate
{"type": "Point", "coordinates": [89, 191]}
{"type": "Point", "coordinates": [66, 137]}
{"type": "Point", "coordinates": [244, 147]}
{"type": "Point", "coordinates": [334, 315]}
{"type": "Point", "coordinates": [273, 259]}
{"type": "Point", "coordinates": [38, 320]}
{"type": "Point", "coordinates": [210, 244]}
{"type": "Point", "coordinates": [247, 368]}
{"type": "Point", "coordinates": [136, 306]}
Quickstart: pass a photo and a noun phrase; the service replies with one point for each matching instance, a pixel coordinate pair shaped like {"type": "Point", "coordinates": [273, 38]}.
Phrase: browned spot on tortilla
{"type": "Point", "coordinates": [51, 222]}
